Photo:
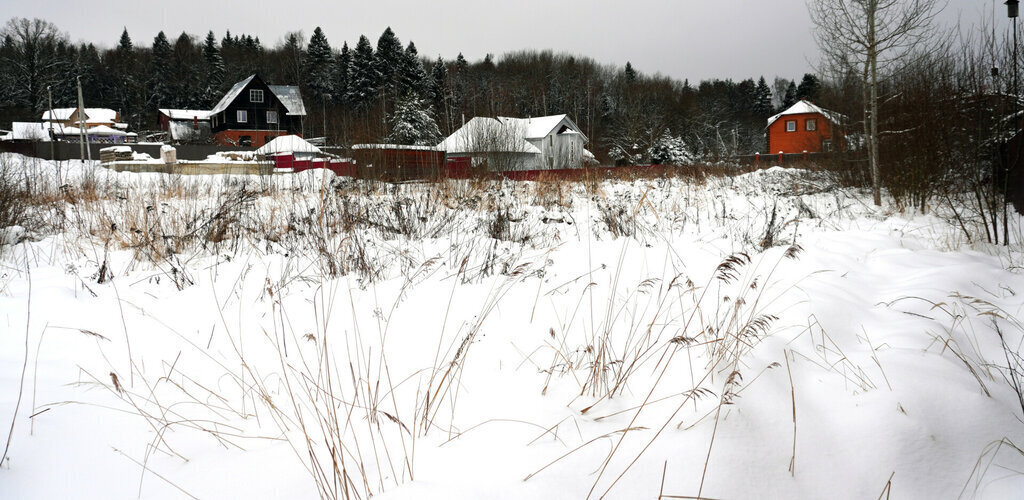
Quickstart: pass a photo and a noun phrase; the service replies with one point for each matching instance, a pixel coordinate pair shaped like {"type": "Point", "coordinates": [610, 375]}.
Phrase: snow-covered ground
{"type": "Point", "coordinates": [766, 335]}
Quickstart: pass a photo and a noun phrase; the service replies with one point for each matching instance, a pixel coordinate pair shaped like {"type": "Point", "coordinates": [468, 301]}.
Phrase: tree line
{"type": "Point", "coordinates": [387, 92]}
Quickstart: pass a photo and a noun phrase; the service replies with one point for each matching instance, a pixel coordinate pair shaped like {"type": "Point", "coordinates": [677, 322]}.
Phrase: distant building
{"type": "Point", "coordinates": [54, 131]}
{"type": "Point", "coordinates": [804, 127]}
{"type": "Point", "coordinates": [542, 143]}
{"type": "Point", "coordinates": [253, 113]}
{"type": "Point", "coordinates": [185, 126]}
{"type": "Point", "coordinates": [93, 117]}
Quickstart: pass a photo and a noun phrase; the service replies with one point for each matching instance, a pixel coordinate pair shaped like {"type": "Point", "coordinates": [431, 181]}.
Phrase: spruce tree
{"type": "Point", "coordinates": [342, 75]}
{"type": "Point", "coordinates": [412, 124]}
{"type": "Point", "coordinates": [790, 98]}
{"type": "Point", "coordinates": [214, 71]}
{"type": "Point", "coordinates": [762, 99]}
{"type": "Point", "coordinates": [809, 88]}
{"type": "Point", "coordinates": [319, 65]}
{"type": "Point", "coordinates": [160, 71]}
{"type": "Point", "coordinates": [412, 77]}
{"type": "Point", "coordinates": [364, 78]}
{"type": "Point", "coordinates": [630, 72]}
{"type": "Point", "coordinates": [389, 58]}
{"type": "Point", "coordinates": [438, 91]}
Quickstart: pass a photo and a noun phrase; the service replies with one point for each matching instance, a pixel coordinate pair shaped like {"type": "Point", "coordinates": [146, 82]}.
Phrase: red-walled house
{"type": "Point", "coordinates": [804, 127]}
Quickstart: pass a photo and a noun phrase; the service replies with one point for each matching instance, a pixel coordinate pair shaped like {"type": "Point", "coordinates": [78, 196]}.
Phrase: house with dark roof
{"type": "Point", "coordinates": [253, 113]}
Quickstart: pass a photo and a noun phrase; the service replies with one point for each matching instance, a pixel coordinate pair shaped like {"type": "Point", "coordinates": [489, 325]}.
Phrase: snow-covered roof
{"type": "Point", "coordinates": [541, 126]}
{"type": "Point", "coordinates": [396, 146]}
{"type": "Point", "coordinates": [186, 114]}
{"type": "Point", "coordinates": [288, 144]}
{"type": "Point", "coordinates": [182, 130]}
{"type": "Point", "coordinates": [290, 97]}
{"type": "Point", "coordinates": [29, 131]}
{"type": "Point", "coordinates": [92, 115]}
{"type": "Point", "coordinates": [488, 135]}
{"type": "Point", "coordinates": [230, 96]}
{"type": "Point", "coordinates": [806, 107]}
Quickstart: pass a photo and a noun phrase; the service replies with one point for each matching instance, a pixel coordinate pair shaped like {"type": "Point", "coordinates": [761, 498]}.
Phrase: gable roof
{"type": "Point", "coordinates": [231, 95]}
{"type": "Point", "coordinates": [288, 144]}
{"type": "Point", "coordinates": [806, 107]}
{"type": "Point", "coordinates": [186, 114]}
{"type": "Point", "coordinates": [487, 135]}
{"type": "Point", "coordinates": [92, 115]}
{"type": "Point", "coordinates": [291, 98]}
{"type": "Point", "coordinates": [541, 126]}
{"type": "Point", "coordinates": [288, 95]}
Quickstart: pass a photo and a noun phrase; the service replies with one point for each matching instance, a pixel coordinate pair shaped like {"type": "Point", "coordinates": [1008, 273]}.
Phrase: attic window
{"type": "Point", "coordinates": [790, 125]}
{"type": "Point", "coordinates": [811, 125]}
{"type": "Point", "coordinates": [255, 95]}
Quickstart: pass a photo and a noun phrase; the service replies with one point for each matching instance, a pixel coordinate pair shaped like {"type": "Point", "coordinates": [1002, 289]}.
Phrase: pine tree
{"type": "Point", "coordinates": [790, 98]}
{"type": "Point", "coordinates": [630, 72]}
{"type": "Point", "coordinates": [342, 75]}
{"type": "Point", "coordinates": [364, 79]}
{"type": "Point", "coordinates": [160, 71]}
{"type": "Point", "coordinates": [213, 71]}
{"type": "Point", "coordinates": [809, 88]}
{"type": "Point", "coordinates": [319, 66]}
{"type": "Point", "coordinates": [412, 124]}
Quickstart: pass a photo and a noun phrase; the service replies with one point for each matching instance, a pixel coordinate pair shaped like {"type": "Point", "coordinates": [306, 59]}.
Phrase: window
{"type": "Point", "coordinates": [811, 125]}
{"type": "Point", "coordinates": [241, 116]}
{"type": "Point", "coordinates": [790, 125]}
{"type": "Point", "coordinates": [271, 116]}
{"type": "Point", "coordinates": [245, 140]}
{"type": "Point", "coordinates": [826, 146]}
{"type": "Point", "coordinates": [255, 95]}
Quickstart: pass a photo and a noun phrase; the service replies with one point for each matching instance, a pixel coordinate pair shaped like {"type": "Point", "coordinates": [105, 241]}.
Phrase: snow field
{"type": "Point", "coordinates": [305, 336]}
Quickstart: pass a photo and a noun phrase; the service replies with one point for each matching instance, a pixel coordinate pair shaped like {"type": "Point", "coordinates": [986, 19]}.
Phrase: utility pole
{"type": "Point", "coordinates": [53, 157]}
{"type": "Point", "coordinates": [1012, 13]}
{"type": "Point", "coordinates": [81, 121]}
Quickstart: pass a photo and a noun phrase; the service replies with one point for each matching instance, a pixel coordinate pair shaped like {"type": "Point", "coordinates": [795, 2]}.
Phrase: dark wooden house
{"type": "Point", "coordinates": [253, 113]}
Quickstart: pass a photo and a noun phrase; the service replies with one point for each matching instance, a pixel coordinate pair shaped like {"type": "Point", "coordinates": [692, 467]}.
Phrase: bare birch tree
{"type": "Point", "coordinates": [871, 36]}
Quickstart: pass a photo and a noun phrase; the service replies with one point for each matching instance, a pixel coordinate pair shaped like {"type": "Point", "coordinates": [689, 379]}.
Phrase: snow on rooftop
{"type": "Point", "coordinates": [487, 135]}
{"type": "Point", "coordinates": [230, 96]}
{"type": "Point", "coordinates": [541, 126]}
{"type": "Point", "coordinates": [396, 146]}
{"type": "Point", "coordinates": [30, 131]}
{"type": "Point", "coordinates": [186, 114]}
{"type": "Point", "coordinates": [288, 144]}
{"type": "Point", "coordinates": [92, 115]}
{"type": "Point", "coordinates": [290, 97]}
{"type": "Point", "coordinates": [806, 107]}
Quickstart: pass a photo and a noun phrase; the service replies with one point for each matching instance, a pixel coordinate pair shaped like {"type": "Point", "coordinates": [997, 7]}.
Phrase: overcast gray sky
{"type": "Point", "coordinates": [695, 39]}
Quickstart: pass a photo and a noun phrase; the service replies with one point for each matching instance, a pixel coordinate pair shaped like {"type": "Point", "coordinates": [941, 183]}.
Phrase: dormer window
{"type": "Point", "coordinates": [255, 95]}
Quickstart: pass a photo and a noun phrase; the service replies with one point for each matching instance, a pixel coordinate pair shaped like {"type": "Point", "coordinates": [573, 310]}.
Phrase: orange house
{"type": "Point", "coordinates": [803, 128]}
